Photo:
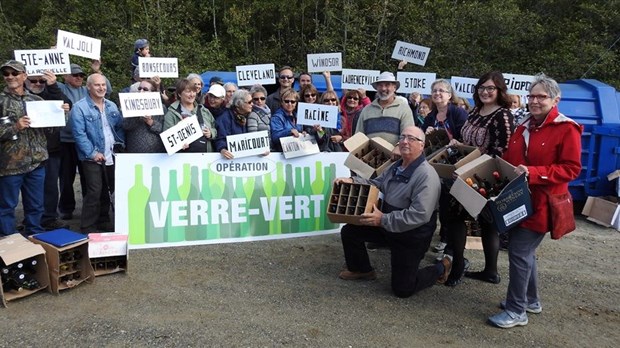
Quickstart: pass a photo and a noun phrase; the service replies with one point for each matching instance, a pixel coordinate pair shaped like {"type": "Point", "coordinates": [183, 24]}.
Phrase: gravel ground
{"type": "Point", "coordinates": [286, 293]}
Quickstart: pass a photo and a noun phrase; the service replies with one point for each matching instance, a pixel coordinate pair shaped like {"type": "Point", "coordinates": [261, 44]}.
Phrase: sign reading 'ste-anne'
{"type": "Point", "coordinates": [78, 45]}
{"type": "Point", "coordinates": [261, 74]}
{"type": "Point", "coordinates": [37, 61]}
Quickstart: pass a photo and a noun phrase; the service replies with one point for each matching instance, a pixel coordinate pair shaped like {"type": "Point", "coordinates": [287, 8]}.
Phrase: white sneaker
{"type": "Point", "coordinates": [439, 248]}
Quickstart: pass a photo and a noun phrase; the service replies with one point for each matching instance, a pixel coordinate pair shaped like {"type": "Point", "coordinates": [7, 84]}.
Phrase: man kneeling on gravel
{"type": "Point", "coordinates": [410, 190]}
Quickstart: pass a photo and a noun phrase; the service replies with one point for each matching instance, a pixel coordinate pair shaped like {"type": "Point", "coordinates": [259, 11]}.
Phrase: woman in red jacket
{"type": "Point", "coordinates": [547, 148]}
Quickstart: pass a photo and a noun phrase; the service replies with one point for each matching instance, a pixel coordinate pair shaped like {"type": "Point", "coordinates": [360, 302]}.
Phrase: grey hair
{"type": "Point", "coordinates": [258, 89]}
{"type": "Point", "coordinates": [444, 82]}
{"type": "Point", "coordinates": [548, 84]}
{"type": "Point", "coordinates": [238, 98]}
{"type": "Point", "coordinates": [195, 76]}
{"type": "Point", "coordinates": [89, 79]}
{"type": "Point", "coordinates": [228, 84]}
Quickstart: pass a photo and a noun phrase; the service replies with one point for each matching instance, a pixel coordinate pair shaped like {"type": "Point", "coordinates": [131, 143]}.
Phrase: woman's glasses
{"type": "Point", "coordinates": [353, 98]}
{"type": "Point", "coordinates": [258, 98]}
{"type": "Point", "coordinates": [289, 101]}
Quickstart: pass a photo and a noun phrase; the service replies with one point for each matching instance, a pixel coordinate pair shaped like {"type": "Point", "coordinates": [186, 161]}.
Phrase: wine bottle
{"type": "Point", "coordinates": [289, 192]}
{"type": "Point", "coordinates": [186, 182]}
{"type": "Point", "coordinates": [172, 233]}
{"type": "Point", "coordinates": [194, 230]}
{"type": "Point", "coordinates": [212, 229]}
{"type": "Point", "coordinates": [297, 191]}
{"type": "Point", "coordinates": [259, 226]}
{"type": "Point", "coordinates": [318, 188]}
{"type": "Point", "coordinates": [227, 194]}
{"type": "Point", "coordinates": [329, 174]}
{"type": "Point", "coordinates": [307, 222]}
{"type": "Point", "coordinates": [137, 198]}
{"type": "Point", "coordinates": [239, 193]}
{"type": "Point", "coordinates": [154, 234]}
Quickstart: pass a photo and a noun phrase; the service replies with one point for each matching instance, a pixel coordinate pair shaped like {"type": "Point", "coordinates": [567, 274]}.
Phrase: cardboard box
{"type": "Point", "coordinates": [108, 253]}
{"type": "Point", "coordinates": [348, 201]}
{"type": "Point", "coordinates": [68, 266]}
{"type": "Point", "coordinates": [435, 141]}
{"type": "Point", "coordinates": [603, 211]}
{"type": "Point", "coordinates": [363, 150]}
{"type": "Point", "coordinates": [615, 175]}
{"type": "Point", "coordinates": [446, 170]}
{"type": "Point", "coordinates": [14, 249]}
{"type": "Point", "coordinates": [505, 210]}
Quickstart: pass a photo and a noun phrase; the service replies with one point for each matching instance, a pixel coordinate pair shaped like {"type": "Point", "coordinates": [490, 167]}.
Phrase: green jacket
{"type": "Point", "coordinates": [20, 151]}
{"type": "Point", "coordinates": [205, 118]}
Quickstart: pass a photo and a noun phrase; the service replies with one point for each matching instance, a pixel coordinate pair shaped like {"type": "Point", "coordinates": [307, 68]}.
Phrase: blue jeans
{"type": "Point", "coordinates": [50, 200]}
{"type": "Point", "coordinates": [523, 284]}
{"type": "Point", "coordinates": [31, 186]}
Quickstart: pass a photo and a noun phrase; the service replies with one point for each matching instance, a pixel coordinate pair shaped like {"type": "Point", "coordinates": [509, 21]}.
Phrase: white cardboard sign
{"type": "Point", "coordinates": [78, 45]}
{"type": "Point", "coordinates": [464, 87]}
{"type": "Point", "coordinates": [248, 144]}
{"type": "Point", "coordinates": [303, 145]}
{"type": "Point", "coordinates": [518, 84]}
{"type": "Point", "coordinates": [358, 78]}
{"type": "Point", "coordinates": [107, 244]}
{"type": "Point", "coordinates": [141, 104]}
{"type": "Point", "coordinates": [158, 66]}
{"type": "Point", "coordinates": [184, 132]}
{"type": "Point", "coordinates": [45, 113]}
{"type": "Point", "coordinates": [415, 82]}
{"type": "Point", "coordinates": [411, 53]}
{"type": "Point", "coordinates": [37, 61]}
{"type": "Point", "coordinates": [261, 74]}
{"type": "Point", "coordinates": [320, 62]}
{"type": "Point", "coordinates": [323, 115]}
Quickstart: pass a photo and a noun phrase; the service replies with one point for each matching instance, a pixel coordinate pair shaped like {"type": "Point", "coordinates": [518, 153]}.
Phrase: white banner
{"type": "Point", "coordinates": [45, 113]}
{"type": "Point", "coordinates": [141, 104]}
{"type": "Point", "coordinates": [410, 53]}
{"type": "Point", "coordinates": [37, 61]}
{"type": "Point", "coordinates": [261, 74]}
{"type": "Point", "coordinates": [248, 144]}
{"type": "Point", "coordinates": [415, 82]}
{"type": "Point", "coordinates": [184, 132]}
{"type": "Point", "coordinates": [518, 84]}
{"type": "Point", "coordinates": [78, 45]}
{"type": "Point", "coordinates": [464, 87]}
{"type": "Point", "coordinates": [320, 62]}
{"type": "Point", "coordinates": [312, 114]}
{"type": "Point", "coordinates": [358, 78]}
{"type": "Point", "coordinates": [158, 66]}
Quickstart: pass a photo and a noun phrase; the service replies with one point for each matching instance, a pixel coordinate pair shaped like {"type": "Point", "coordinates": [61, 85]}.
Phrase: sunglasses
{"type": "Point", "coordinates": [40, 81]}
{"type": "Point", "coordinates": [286, 77]}
{"type": "Point", "coordinates": [258, 98]}
{"type": "Point", "coordinates": [77, 75]}
{"type": "Point", "coordinates": [144, 89]}
{"type": "Point", "coordinates": [330, 100]}
{"type": "Point", "coordinates": [288, 101]}
{"type": "Point", "coordinates": [310, 95]}
{"type": "Point", "coordinates": [9, 73]}
{"type": "Point", "coordinates": [353, 98]}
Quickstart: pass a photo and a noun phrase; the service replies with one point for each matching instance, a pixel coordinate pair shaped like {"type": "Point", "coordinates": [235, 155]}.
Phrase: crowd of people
{"type": "Point", "coordinates": [41, 163]}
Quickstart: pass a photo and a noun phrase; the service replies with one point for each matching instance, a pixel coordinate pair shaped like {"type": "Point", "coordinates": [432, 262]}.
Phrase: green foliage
{"type": "Point", "coordinates": [563, 38]}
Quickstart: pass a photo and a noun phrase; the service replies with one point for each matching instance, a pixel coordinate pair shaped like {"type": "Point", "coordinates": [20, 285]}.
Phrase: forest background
{"type": "Point", "coordinates": [566, 39]}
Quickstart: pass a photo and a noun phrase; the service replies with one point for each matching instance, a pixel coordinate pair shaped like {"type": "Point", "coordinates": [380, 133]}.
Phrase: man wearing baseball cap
{"type": "Point", "coordinates": [23, 151]}
{"type": "Point", "coordinates": [387, 116]}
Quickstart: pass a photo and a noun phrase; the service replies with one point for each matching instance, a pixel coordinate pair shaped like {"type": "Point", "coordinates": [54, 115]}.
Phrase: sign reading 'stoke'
{"type": "Point", "coordinates": [78, 45]}
{"type": "Point", "coordinates": [320, 62]}
{"type": "Point", "coordinates": [411, 53]}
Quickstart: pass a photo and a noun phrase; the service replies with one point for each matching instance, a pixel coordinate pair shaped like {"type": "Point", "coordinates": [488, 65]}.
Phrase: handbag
{"type": "Point", "coordinates": [561, 214]}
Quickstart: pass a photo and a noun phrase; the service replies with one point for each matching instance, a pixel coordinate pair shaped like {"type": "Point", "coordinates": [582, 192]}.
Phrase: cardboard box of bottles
{"type": "Point", "coordinates": [368, 157]}
{"type": "Point", "coordinates": [506, 210]}
{"type": "Point", "coordinates": [68, 266]}
{"type": "Point", "coordinates": [16, 249]}
{"type": "Point", "coordinates": [348, 201]}
{"type": "Point", "coordinates": [446, 170]}
{"type": "Point", "coordinates": [108, 253]}
{"type": "Point", "coordinates": [604, 211]}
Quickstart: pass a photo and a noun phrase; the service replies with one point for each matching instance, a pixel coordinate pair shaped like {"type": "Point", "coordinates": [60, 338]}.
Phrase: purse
{"type": "Point", "coordinates": [561, 214]}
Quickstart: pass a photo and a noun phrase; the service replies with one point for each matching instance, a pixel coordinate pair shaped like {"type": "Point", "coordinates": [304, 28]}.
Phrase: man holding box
{"type": "Point", "coordinates": [411, 191]}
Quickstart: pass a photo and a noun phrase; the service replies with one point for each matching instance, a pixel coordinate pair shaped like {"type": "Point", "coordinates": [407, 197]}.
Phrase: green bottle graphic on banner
{"type": "Point", "coordinates": [330, 175]}
{"type": "Point", "coordinates": [270, 191]}
{"type": "Point", "coordinates": [240, 229]}
{"type": "Point", "coordinates": [298, 189]}
{"type": "Point", "coordinates": [186, 183]}
{"type": "Point", "coordinates": [195, 229]}
{"type": "Point", "coordinates": [216, 187]}
{"type": "Point", "coordinates": [308, 222]}
{"type": "Point", "coordinates": [154, 234]}
{"type": "Point", "coordinates": [137, 198]}
{"type": "Point", "coordinates": [259, 226]}
{"type": "Point", "coordinates": [318, 188]}
{"type": "Point", "coordinates": [286, 222]}
{"type": "Point", "coordinates": [173, 233]}
{"type": "Point", "coordinates": [227, 194]}
{"type": "Point", "coordinates": [212, 230]}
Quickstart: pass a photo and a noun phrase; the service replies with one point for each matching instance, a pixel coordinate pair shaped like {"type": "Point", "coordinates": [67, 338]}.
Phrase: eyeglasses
{"type": "Point", "coordinates": [144, 89]}
{"type": "Point", "coordinates": [286, 77]}
{"type": "Point", "coordinates": [249, 102]}
{"type": "Point", "coordinates": [330, 100]}
{"type": "Point", "coordinates": [77, 75]}
{"type": "Point", "coordinates": [353, 98]}
{"type": "Point", "coordinates": [440, 91]}
{"type": "Point", "coordinates": [539, 97]}
{"type": "Point", "coordinates": [258, 98]}
{"type": "Point", "coordinates": [489, 89]}
{"type": "Point", "coordinates": [310, 95]}
{"type": "Point", "coordinates": [40, 81]}
{"type": "Point", "coordinates": [288, 101]}
{"type": "Point", "coordinates": [9, 73]}
{"type": "Point", "coordinates": [410, 138]}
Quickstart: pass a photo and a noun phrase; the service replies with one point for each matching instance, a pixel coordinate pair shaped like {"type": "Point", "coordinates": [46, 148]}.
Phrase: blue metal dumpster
{"type": "Point", "coordinates": [596, 106]}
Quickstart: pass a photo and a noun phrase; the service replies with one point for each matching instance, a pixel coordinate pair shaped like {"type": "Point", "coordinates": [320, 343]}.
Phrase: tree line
{"type": "Point", "coordinates": [566, 39]}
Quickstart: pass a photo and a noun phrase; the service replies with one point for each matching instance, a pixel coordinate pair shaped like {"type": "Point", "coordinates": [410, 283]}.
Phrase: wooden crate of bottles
{"type": "Point", "coordinates": [108, 253]}
{"type": "Point", "coordinates": [451, 158]}
{"type": "Point", "coordinates": [68, 266]}
{"type": "Point", "coordinates": [23, 268]}
{"type": "Point", "coordinates": [348, 201]}
{"type": "Point", "coordinates": [368, 157]}
{"type": "Point", "coordinates": [109, 264]}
